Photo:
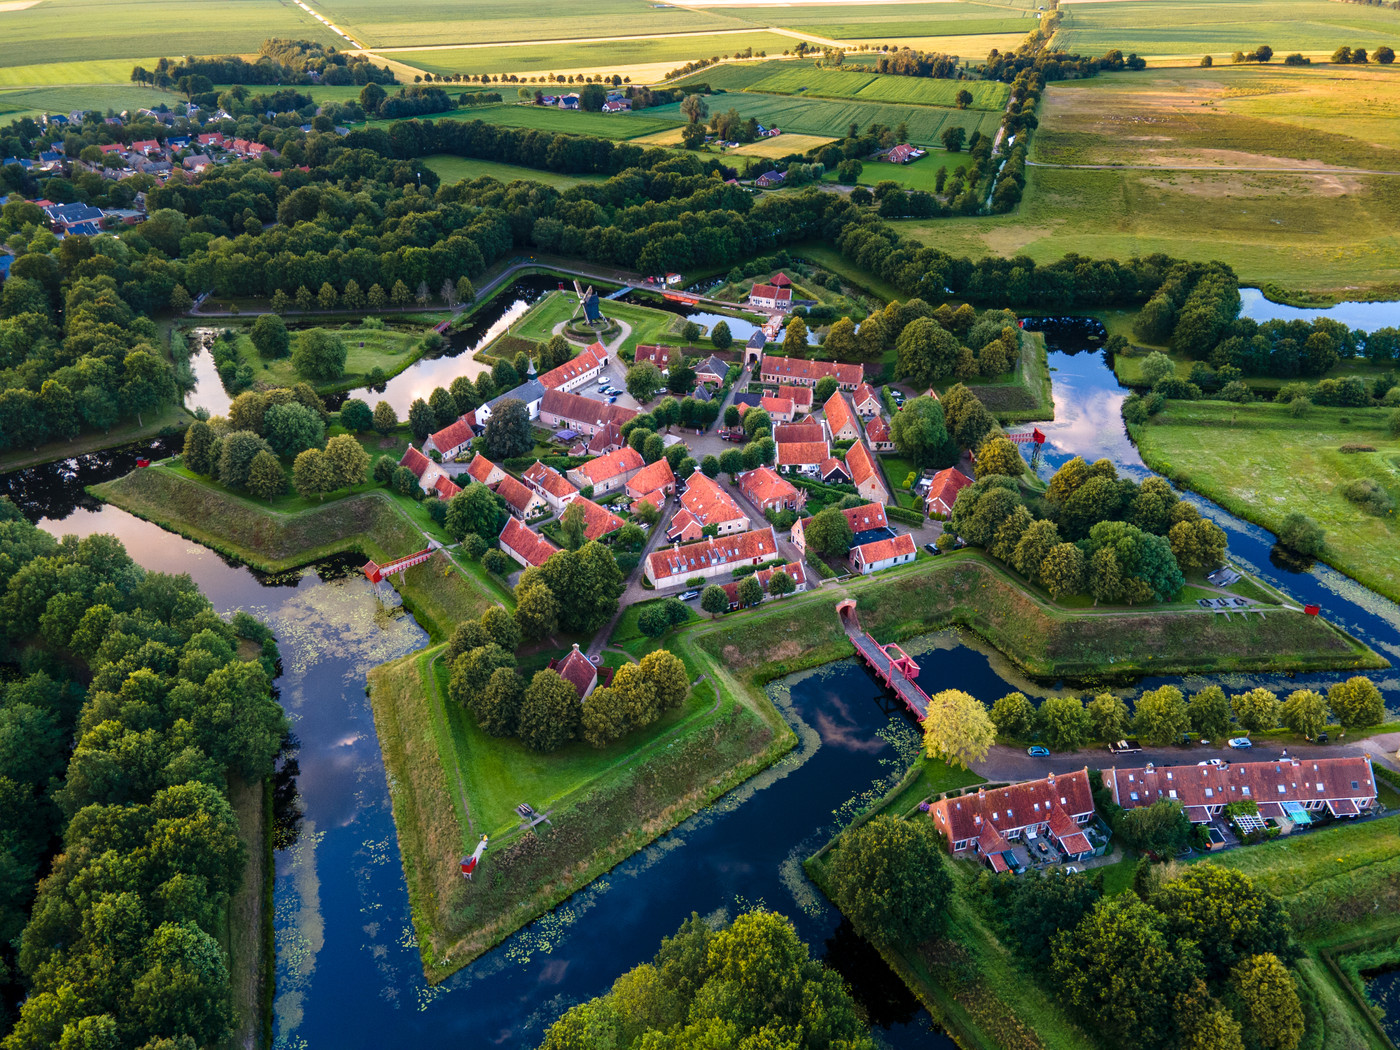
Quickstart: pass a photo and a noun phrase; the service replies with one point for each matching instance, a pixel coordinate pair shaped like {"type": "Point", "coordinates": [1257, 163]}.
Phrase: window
{"type": "Point", "coordinates": [1354, 785]}
{"type": "Point", "coordinates": [1245, 790]}
{"type": "Point", "coordinates": [1133, 795]}
{"type": "Point", "coordinates": [1172, 793]}
{"type": "Point", "coordinates": [1210, 792]}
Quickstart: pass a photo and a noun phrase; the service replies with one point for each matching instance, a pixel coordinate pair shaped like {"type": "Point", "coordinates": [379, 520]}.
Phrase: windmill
{"type": "Point", "coordinates": [592, 310]}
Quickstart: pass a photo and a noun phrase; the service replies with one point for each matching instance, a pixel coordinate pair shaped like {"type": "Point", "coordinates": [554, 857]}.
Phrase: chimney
{"type": "Point", "coordinates": [982, 794]}
{"type": "Point", "coordinates": [1051, 779]}
{"type": "Point", "coordinates": [576, 647]}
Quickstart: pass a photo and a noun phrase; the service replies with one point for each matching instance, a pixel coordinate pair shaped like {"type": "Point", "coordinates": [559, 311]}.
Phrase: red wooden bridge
{"type": "Point", "coordinates": [1035, 436]}
{"type": "Point", "coordinates": [891, 664]}
{"type": "Point", "coordinates": [378, 572]}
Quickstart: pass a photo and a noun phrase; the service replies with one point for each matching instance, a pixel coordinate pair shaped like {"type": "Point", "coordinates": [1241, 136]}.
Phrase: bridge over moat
{"type": "Point", "coordinates": [891, 664]}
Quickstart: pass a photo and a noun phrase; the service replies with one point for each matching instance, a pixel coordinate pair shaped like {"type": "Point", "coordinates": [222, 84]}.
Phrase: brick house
{"type": "Point", "coordinates": [672, 566]}
{"type": "Point", "coordinates": [577, 371]}
{"type": "Point", "coordinates": [663, 357]}
{"type": "Point", "coordinates": [524, 502]}
{"type": "Point", "coordinates": [451, 439]}
{"type": "Point", "coordinates": [877, 432]}
{"type": "Point", "coordinates": [583, 414]}
{"type": "Point", "coordinates": [801, 372]}
{"type": "Point", "coordinates": [985, 824]}
{"type": "Point", "coordinates": [767, 491]}
{"type": "Point", "coordinates": [549, 483]}
{"type": "Point", "coordinates": [526, 547]}
{"type": "Point", "coordinates": [779, 409]}
{"type": "Point", "coordinates": [483, 470]}
{"type": "Point", "coordinates": [943, 491]}
{"type": "Point", "coordinates": [424, 469]}
{"type": "Point", "coordinates": [865, 475]}
{"type": "Point", "coordinates": [609, 472]}
{"type": "Point", "coordinates": [867, 401]}
{"type": "Point", "coordinates": [868, 523]}
{"type": "Point", "coordinates": [840, 420]}
{"type": "Point", "coordinates": [655, 477]}
{"type": "Point", "coordinates": [704, 503]}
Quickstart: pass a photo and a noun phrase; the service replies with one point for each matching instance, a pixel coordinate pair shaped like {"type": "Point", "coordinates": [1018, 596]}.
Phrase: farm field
{"type": "Point", "coordinates": [95, 71]}
{"type": "Point", "coordinates": [1329, 231]}
{"type": "Point", "coordinates": [102, 97]}
{"type": "Point", "coordinates": [70, 30]}
{"type": "Point", "coordinates": [611, 126]}
{"type": "Point", "coordinates": [589, 55]}
{"type": "Point", "coordinates": [1231, 454]}
{"type": "Point", "coordinates": [454, 169]}
{"type": "Point", "coordinates": [920, 175]}
{"type": "Point", "coordinates": [782, 146]}
{"type": "Point", "coordinates": [793, 78]}
{"type": "Point", "coordinates": [1221, 27]}
{"type": "Point", "coordinates": [832, 118]}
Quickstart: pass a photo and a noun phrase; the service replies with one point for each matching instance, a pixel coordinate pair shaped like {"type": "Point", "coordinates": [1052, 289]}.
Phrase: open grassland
{"type": "Point", "coordinates": [1260, 463]}
{"type": "Point", "coordinates": [454, 169]}
{"type": "Point", "coordinates": [803, 78]}
{"type": "Point", "coordinates": [430, 22]}
{"type": "Point", "coordinates": [1221, 27]}
{"type": "Point", "coordinates": [617, 126]}
{"type": "Point", "coordinates": [82, 30]}
{"type": "Point", "coordinates": [1329, 231]}
{"type": "Point", "coordinates": [450, 784]}
{"type": "Point", "coordinates": [573, 57]}
{"type": "Point", "coordinates": [92, 71]}
{"type": "Point", "coordinates": [393, 350]}
{"type": "Point", "coordinates": [648, 326]}
{"type": "Point", "coordinates": [832, 118]}
{"type": "Point", "coordinates": [99, 97]}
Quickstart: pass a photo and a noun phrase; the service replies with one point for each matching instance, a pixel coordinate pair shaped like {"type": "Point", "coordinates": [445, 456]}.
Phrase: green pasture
{"type": "Point", "coordinates": [100, 97]}
{"type": "Point", "coordinates": [919, 175]}
{"type": "Point", "coordinates": [82, 30]}
{"type": "Point", "coordinates": [648, 326]}
{"type": "Point", "coordinates": [1221, 27]}
{"type": "Point", "coordinates": [454, 169]}
{"type": "Point", "coordinates": [802, 78]}
{"type": "Point", "coordinates": [896, 29]}
{"type": "Point", "coordinates": [94, 71]}
{"type": "Point", "coordinates": [815, 116]}
{"type": "Point", "coordinates": [573, 57]}
{"type": "Point", "coordinates": [617, 126]}
{"type": "Point", "coordinates": [366, 349]}
{"type": "Point", "coordinates": [1259, 462]}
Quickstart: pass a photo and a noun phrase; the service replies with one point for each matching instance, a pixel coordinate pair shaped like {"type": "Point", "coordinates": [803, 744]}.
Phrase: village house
{"type": "Point", "coordinates": [804, 457]}
{"type": "Point", "coordinates": [800, 396]}
{"type": "Point", "coordinates": [598, 521]}
{"type": "Point", "coordinates": [550, 484]}
{"type": "Point", "coordinates": [833, 472]}
{"type": "Point", "coordinates": [569, 101]}
{"type": "Point", "coordinates": [867, 402]}
{"type": "Point", "coordinates": [840, 420]}
{"type": "Point", "coordinates": [445, 488]}
{"type": "Point", "coordinates": [766, 297]}
{"type": "Point", "coordinates": [580, 672]}
{"type": "Point", "coordinates": [712, 371]}
{"type": "Point", "coordinates": [767, 491]}
{"type": "Point", "coordinates": [868, 523]}
{"type": "Point", "coordinates": [617, 105]}
{"type": "Point", "coordinates": [769, 179]}
{"type": "Point", "coordinates": [531, 393]}
{"type": "Point", "coordinates": [673, 566]}
{"type": "Point", "coordinates": [943, 491]}
{"type": "Point", "coordinates": [705, 503]}
{"type": "Point", "coordinates": [987, 823]}
{"type": "Point", "coordinates": [904, 153]}
{"type": "Point", "coordinates": [524, 502]}
{"type": "Point", "coordinates": [779, 409]}
{"type": "Point", "coordinates": [882, 554]}
{"type": "Point", "coordinates": [795, 572]}
{"type": "Point", "coordinates": [581, 414]}
{"type": "Point", "coordinates": [810, 430]}
{"type": "Point", "coordinates": [528, 548]}
{"type": "Point", "coordinates": [865, 474]}
{"type": "Point", "coordinates": [655, 479]}
{"type": "Point", "coordinates": [877, 432]}
{"type": "Point", "coordinates": [577, 371]}
{"type": "Point", "coordinates": [608, 439]}
{"type": "Point", "coordinates": [451, 439]}
{"type": "Point", "coordinates": [424, 469]}
{"type": "Point", "coordinates": [483, 470]}
{"type": "Point", "coordinates": [609, 472]}
{"type": "Point", "coordinates": [801, 372]}
{"type": "Point", "coordinates": [663, 357]}
{"type": "Point", "coordinates": [1285, 789]}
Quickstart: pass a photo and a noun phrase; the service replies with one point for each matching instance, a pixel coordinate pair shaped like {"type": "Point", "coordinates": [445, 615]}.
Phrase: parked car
{"type": "Point", "coordinates": [612, 398]}
{"type": "Point", "coordinates": [1214, 762]}
{"type": "Point", "coordinates": [1322, 738]}
{"type": "Point", "coordinates": [1241, 743]}
{"type": "Point", "coordinates": [1125, 747]}
{"type": "Point", "coordinates": [932, 548]}
{"type": "Point", "coordinates": [690, 596]}
{"type": "Point", "coordinates": [603, 381]}
{"type": "Point", "coordinates": [1038, 751]}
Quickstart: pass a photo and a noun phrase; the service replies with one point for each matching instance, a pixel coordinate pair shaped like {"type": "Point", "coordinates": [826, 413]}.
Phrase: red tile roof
{"type": "Point", "coordinates": [783, 432]}
{"type": "Point", "coordinates": [1283, 780]}
{"type": "Point", "coordinates": [516, 493]}
{"type": "Point", "coordinates": [445, 487]}
{"type": "Point", "coordinates": [831, 466]}
{"type": "Point", "coordinates": [594, 357]}
{"type": "Point", "coordinates": [862, 465]}
{"type": "Point", "coordinates": [946, 485]}
{"type": "Point", "coordinates": [452, 435]}
{"type": "Point", "coordinates": [549, 481]}
{"type": "Point", "coordinates": [877, 430]}
{"type": "Point", "coordinates": [776, 368]}
{"type": "Point", "coordinates": [865, 392]}
{"type": "Point", "coordinates": [598, 521]}
{"type": "Point", "coordinates": [653, 476]}
{"type": "Point", "coordinates": [707, 500]}
{"type": "Point", "coordinates": [781, 280]}
{"type": "Point", "coordinates": [763, 486]}
{"type": "Point", "coordinates": [614, 463]}
{"type": "Point", "coordinates": [801, 396]}
{"type": "Point", "coordinates": [794, 570]}
{"type": "Point", "coordinates": [767, 291]}
{"type": "Point", "coordinates": [884, 550]}
{"type": "Point", "coordinates": [802, 453]}
{"type": "Point", "coordinates": [577, 670]}
{"type": "Point", "coordinates": [839, 416]}
{"type": "Point", "coordinates": [609, 437]}
{"type": "Point", "coordinates": [1017, 806]}
{"type": "Point", "coordinates": [661, 356]}
{"type": "Point", "coordinates": [482, 469]}
{"type": "Point", "coordinates": [416, 462]}
{"type": "Point", "coordinates": [531, 546]}
{"type": "Point", "coordinates": [776, 406]}
{"type": "Point", "coordinates": [585, 411]}
{"type": "Point", "coordinates": [684, 526]}
{"type": "Point", "coordinates": [869, 516]}
{"type": "Point", "coordinates": [721, 550]}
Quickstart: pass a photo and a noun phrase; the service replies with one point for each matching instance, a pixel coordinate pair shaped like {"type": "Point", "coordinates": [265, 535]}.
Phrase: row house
{"type": "Point", "coordinates": [577, 371]}
{"type": "Point", "coordinates": [795, 572]}
{"type": "Point", "coordinates": [705, 503]}
{"type": "Point", "coordinates": [484, 471]}
{"type": "Point", "coordinates": [804, 457]}
{"type": "Point", "coordinates": [812, 430]}
{"type": "Point", "coordinates": [582, 414]}
{"type": "Point", "coordinates": [609, 472]}
{"type": "Point", "coordinates": [673, 566]}
{"type": "Point", "coordinates": [798, 371]}
{"type": "Point", "coordinates": [985, 824]}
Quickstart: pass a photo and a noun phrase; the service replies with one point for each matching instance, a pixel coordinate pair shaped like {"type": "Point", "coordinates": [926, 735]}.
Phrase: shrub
{"type": "Point", "coordinates": [1369, 496]}
{"type": "Point", "coordinates": [1300, 533]}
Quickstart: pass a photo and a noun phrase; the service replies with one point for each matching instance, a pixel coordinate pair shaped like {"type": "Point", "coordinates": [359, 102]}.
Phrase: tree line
{"type": "Point", "coordinates": [134, 711]}
{"type": "Point", "coordinates": [278, 62]}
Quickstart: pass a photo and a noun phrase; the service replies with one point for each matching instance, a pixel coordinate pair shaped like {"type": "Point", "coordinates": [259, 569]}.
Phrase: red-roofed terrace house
{"type": "Point", "coordinates": [804, 457]}
{"type": "Point", "coordinates": [882, 554]}
{"type": "Point", "coordinates": [451, 439]}
{"type": "Point", "coordinates": [767, 491]}
{"type": "Point", "coordinates": [549, 483]}
{"type": "Point", "coordinates": [801, 372]}
{"type": "Point", "coordinates": [779, 409]}
{"type": "Point", "coordinates": [673, 566]}
{"type": "Point", "coordinates": [986, 823]}
{"type": "Point", "coordinates": [943, 491]}
{"type": "Point", "coordinates": [577, 371]}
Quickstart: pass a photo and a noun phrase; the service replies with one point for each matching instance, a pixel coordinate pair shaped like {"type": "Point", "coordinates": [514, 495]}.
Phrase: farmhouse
{"type": "Point", "coordinates": [550, 484]}
{"type": "Point", "coordinates": [943, 491]}
{"type": "Point", "coordinates": [986, 824]}
{"type": "Point", "coordinates": [523, 501]}
{"type": "Point", "coordinates": [569, 101]}
{"type": "Point", "coordinates": [865, 474]}
{"type": "Point", "coordinates": [583, 414]}
{"type": "Point", "coordinates": [608, 472]}
{"type": "Point", "coordinates": [866, 400]}
{"type": "Point", "coordinates": [802, 372]}
{"type": "Point", "coordinates": [526, 547]}
{"type": "Point", "coordinates": [424, 469]}
{"type": "Point", "coordinates": [598, 521]}
{"type": "Point", "coordinates": [655, 477]}
{"type": "Point", "coordinates": [840, 420]}
{"type": "Point", "coordinates": [712, 370]}
{"type": "Point", "coordinates": [770, 178]}
{"type": "Point", "coordinates": [451, 439]}
{"type": "Point", "coordinates": [877, 432]}
{"type": "Point", "coordinates": [767, 491]}
{"type": "Point", "coordinates": [872, 557]}
{"type": "Point", "coordinates": [620, 105]}
{"type": "Point", "coordinates": [1344, 787]}
{"type": "Point", "coordinates": [766, 297]}
{"type": "Point", "coordinates": [904, 153]}
{"type": "Point", "coordinates": [663, 357]}
{"type": "Point", "coordinates": [671, 567]}
{"type": "Point", "coordinates": [574, 373]}
{"type": "Point", "coordinates": [483, 470]}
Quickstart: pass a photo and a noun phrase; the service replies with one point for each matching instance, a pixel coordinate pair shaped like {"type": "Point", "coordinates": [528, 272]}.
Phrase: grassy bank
{"type": "Point", "coordinates": [247, 935]}
{"type": "Point", "coordinates": [366, 349]}
{"type": "Point", "coordinates": [1260, 463]}
{"type": "Point", "coordinates": [176, 417]}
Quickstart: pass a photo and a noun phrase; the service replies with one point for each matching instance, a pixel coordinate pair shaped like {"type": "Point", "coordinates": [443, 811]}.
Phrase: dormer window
{"type": "Point", "coordinates": [1210, 792]}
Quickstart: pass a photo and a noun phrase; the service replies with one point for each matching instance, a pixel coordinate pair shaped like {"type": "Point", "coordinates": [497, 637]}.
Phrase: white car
{"type": "Point", "coordinates": [1241, 743]}
{"type": "Point", "coordinates": [1214, 762]}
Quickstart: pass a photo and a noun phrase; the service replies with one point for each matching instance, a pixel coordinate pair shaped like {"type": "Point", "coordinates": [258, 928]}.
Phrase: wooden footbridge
{"type": "Point", "coordinates": [891, 664]}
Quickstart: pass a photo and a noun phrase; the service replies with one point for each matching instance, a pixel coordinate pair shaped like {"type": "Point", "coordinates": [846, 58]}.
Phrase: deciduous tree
{"type": "Point", "coordinates": [1065, 723]}
{"type": "Point", "coordinates": [1161, 716]}
{"type": "Point", "coordinates": [265, 477]}
{"type": "Point", "coordinates": [1269, 996]}
{"type": "Point", "coordinates": [958, 728]}
{"type": "Point", "coordinates": [1014, 716]}
{"type": "Point", "coordinates": [890, 879]}
{"type": "Point", "coordinates": [1256, 710]}
{"type": "Point", "coordinates": [508, 431]}
{"type": "Point", "coordinates": [1356, 702]}
{"type": "Point", "coordinates": [1305, 712]}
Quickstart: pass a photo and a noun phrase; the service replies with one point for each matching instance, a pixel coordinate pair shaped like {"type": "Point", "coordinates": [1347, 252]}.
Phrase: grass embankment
{"type": "Point", "coordinates": [247, 933]}
{"type": "Point", "coordinates": [450, 783]}
{"type": "Point", "coordinates": [366, 349]}
{"type": "Point", "coordinates": [1260, 463]}
{"type": "Point", "coordinates": [176, 417]}
{"type": "Point", "coordinates": [648, 326]}
{"type": "Point", "coordinates": [369, 523]}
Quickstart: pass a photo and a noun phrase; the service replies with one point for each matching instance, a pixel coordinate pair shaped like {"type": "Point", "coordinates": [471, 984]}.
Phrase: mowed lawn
{"type": "Point", "coordinates": [1259, 462]}
{"type": "Point", "coordinates": [1221, 27]}
{"type": "Point", "coordinates": [82, 30]}
{"type": "Point", "coordinates": [598, 54]}
{"type": "Point", "coordinates": [917, 175]}
{"type": "Point", "coordinates": [832, 118]}
{"type": "Point", "coordinates": [390, 350]}
{"type": "Point", "coordinates": [454, 169]}
{"type": "Point", "coordinates": [648, 326]}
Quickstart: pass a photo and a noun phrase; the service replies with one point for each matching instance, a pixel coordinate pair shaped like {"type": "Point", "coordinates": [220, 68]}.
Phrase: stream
{"type": "Point", "coordinates": [348, 972]}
